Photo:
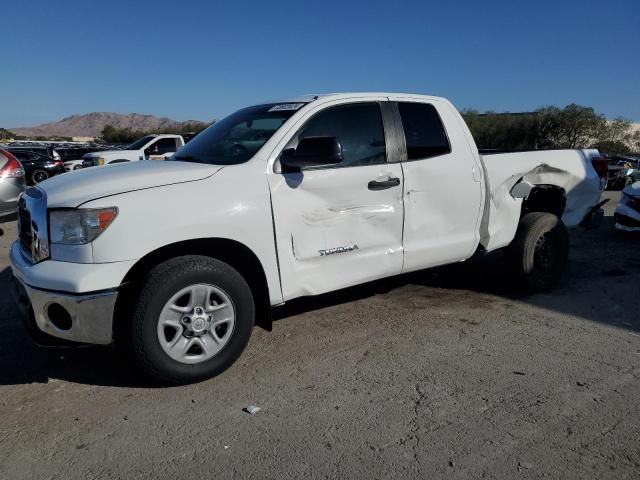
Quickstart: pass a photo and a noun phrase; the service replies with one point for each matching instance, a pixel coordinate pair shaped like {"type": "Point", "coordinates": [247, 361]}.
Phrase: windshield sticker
{"type": "Point", "coordinates": [286, 106]}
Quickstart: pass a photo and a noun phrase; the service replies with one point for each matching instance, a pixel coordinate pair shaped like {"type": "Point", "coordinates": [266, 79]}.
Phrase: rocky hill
{"type": "Point", "coordinates": [91, 124]}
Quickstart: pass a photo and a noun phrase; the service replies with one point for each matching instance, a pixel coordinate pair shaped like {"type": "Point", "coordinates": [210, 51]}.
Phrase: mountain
{"type": "Point", "coordinates": [91, 124]}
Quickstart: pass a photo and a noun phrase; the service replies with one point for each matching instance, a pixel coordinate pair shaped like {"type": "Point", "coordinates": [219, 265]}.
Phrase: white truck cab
{"type": "Point", "coordinates": [150, 147]}
{"type": "Point", "coordinates": [180, 259]}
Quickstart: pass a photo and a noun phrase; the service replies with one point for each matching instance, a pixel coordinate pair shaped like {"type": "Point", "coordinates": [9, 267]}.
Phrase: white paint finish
{"type": "Point", "coordinates": [66, 276]}
{"type": "Point", "coordinates": [232, 204]}
{"type": "Point", "coordinates": [569, 169]}
{"type": "Point", "coordinates": [74, 188]}
{"type": "Point", "coordinates": [443, 199]}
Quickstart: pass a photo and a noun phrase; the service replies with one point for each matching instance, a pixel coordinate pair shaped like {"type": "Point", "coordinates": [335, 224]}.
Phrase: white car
{"type": "Point", "coordinates": [627, 214]}
{"type": "Point", "coordinates": [150, 147]}
{"type": "Point", "coordinates": [180, 259]}
{"type": "Point", "coordinates": [71, 165]}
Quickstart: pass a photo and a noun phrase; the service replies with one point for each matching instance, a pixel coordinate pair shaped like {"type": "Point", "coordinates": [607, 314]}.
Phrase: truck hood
{"type": "Point", "coordinates": [75, 188]}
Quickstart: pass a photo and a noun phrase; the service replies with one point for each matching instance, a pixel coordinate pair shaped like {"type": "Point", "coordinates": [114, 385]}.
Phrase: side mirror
{"type": "Point", "coordinates": [311, 152]}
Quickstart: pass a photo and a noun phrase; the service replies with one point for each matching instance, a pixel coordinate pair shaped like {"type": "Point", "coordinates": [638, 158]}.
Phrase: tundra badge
{"type": "Point", "coordinates": [331, 251]}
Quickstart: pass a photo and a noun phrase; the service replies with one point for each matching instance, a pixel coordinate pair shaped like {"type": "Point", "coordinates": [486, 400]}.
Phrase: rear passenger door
{"type": "Point", "coordinates": [442, 185]}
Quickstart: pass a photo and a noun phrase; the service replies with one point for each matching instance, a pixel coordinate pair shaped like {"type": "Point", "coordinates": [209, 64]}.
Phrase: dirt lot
{"type": "Point", "coordinates": [447, 373]}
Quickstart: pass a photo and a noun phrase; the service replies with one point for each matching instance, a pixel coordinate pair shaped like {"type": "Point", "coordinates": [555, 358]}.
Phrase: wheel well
{"type": "Point", "coordinates": [545, 198]}
{"type": "Point", "coordinates": [234, 253]}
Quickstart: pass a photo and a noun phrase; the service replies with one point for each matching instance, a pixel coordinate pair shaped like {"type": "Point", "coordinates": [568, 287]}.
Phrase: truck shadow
{"type": "Point", "coordinates": [601, 285]}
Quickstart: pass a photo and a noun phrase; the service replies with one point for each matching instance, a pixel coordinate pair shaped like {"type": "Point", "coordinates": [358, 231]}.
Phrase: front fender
{"type": "Point", "coordinates": [234, 204]}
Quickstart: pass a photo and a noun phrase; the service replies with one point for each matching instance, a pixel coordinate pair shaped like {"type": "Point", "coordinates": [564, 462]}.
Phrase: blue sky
{"type": "Point", "coordinates": [202, 60]}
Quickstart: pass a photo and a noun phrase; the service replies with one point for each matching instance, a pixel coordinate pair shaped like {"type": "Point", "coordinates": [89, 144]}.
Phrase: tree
{"type": "Point", "coordinates": [6, 134]}
{"type": "Point", "coordinates": [111, 134]}
{"type": "Point", "coordinates": [573, 126]}
{"type": "Point", "coordinates": [616, 136]}
{"type": "Point", "coordinates": [578, 126]}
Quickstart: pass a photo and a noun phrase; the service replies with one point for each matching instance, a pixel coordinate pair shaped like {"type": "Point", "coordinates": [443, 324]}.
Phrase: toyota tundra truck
{"type": "Point", "coordinates": [178, 260]}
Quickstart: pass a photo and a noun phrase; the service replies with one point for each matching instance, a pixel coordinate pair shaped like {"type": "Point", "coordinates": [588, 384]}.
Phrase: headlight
{"type": "Point", "coordinates": [100, 161]}
{"type": "Point", "coordinates": [79, 226]}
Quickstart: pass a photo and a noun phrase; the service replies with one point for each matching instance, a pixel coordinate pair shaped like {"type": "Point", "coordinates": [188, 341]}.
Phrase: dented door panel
{"type": "Point", "coordinates": [333, 231]}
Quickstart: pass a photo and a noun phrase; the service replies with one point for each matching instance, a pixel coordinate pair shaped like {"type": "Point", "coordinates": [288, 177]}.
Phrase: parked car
{"type": "Point", "coordinates": [150, 147]}
{"type": "Point", "coordinates": [44, 150]}
{"type": "Point", "coordinates": [38, 167]}
{"type": "Point", "coordinates": [627, 214]}
{"type": "Point", "coordinates": [623, 171]}
{"type": "Point", "coordinates": [72, 156]}
{"type": "Point", "coordinates": [346, 189]}
{"type": "Point", "coordinates": [12, 183]}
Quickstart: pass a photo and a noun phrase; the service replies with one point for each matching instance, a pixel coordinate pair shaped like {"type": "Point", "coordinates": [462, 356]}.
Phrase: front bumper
{"type": "Point", "coordinates": [70, 301]}
{"type": "Point", "coordinates": [86, 318]}
{"type": "Point", "coordinates": [627, 218]}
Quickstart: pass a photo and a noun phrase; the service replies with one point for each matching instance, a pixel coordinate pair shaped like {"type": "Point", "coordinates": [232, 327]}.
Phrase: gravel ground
{"type": "Point", "coordinates": [445, 373]}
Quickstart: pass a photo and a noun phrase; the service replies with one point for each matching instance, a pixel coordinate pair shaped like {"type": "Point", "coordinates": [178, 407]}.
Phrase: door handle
{"type": "Point", "coordinates": [384, 184]}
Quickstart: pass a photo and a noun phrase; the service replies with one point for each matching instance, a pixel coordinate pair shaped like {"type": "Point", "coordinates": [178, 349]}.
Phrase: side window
{"type": "Point", "coordinates": [164, 145]}
{"type": "Point", "coordinates": [358, 128]}
{"type": "Point", "coordinates": [423, 131]}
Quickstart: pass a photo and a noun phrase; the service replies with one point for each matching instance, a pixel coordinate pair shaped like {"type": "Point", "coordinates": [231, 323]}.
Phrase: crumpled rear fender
{"type": "Point", "coordinates": [570, 170]}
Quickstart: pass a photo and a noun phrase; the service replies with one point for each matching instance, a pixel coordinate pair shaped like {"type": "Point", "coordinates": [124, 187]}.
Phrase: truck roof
{"type": "Point", "coordinates": [342, 95]}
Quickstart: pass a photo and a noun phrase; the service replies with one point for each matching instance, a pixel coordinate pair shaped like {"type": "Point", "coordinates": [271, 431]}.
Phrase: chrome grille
{"type": "Point", "coordinates": [32, 224]}
{"type": "Point", "coordinates": [24, 227]}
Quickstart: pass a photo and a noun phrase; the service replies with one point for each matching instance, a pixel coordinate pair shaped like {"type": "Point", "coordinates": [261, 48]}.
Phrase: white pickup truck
{"type": "Point", "coordinates": [178, 260]}
{"type": "Point", "coordinates": [150, 147]}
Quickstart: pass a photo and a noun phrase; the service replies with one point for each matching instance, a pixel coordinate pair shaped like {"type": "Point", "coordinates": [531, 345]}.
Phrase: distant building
{"type": "Point", "coordinates": [83, 139]}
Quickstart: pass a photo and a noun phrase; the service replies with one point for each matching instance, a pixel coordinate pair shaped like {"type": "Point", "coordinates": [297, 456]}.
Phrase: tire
{"type": "Point", "coordinates": [38, 176]}
{"type": "Point", "coordinates": [540, 250]}
{"type": "Point", "coordinates": [150, 340]}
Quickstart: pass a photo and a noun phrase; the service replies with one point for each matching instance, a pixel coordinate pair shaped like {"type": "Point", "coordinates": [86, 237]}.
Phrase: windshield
{"type": "Point", "coordinates": [141, 142]}
{"type": "Point", "coordinates": [236, 138]}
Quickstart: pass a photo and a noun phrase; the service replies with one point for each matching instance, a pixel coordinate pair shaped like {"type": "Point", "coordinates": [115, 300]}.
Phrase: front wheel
{"type": "Point", "coordinates": [540, 250]}
{"type": "Point", "coordinates": [192, 320]}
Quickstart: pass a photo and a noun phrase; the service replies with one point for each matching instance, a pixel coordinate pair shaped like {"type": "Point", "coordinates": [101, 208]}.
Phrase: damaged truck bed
{"type": "Point", "coordinates": [563, 182]}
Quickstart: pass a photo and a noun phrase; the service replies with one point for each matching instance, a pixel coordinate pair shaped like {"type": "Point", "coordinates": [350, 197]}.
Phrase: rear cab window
{"type": "Point", "coordinates": [424, 132]}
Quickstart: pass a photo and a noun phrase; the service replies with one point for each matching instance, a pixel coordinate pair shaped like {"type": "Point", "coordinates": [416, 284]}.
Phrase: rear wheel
{"type": "Point", "coordinates": [192, 320]}
{"type": "Point", "coordinates": [38, 176]}
{"type": "Point", "coordinates": [540, 250]}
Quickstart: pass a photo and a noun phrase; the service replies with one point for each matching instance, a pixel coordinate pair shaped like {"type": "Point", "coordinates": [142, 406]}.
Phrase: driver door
{"type": "Point", "coordinates": [161, 148]}
{"type": "Point", "coordinates": [339, 225]}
